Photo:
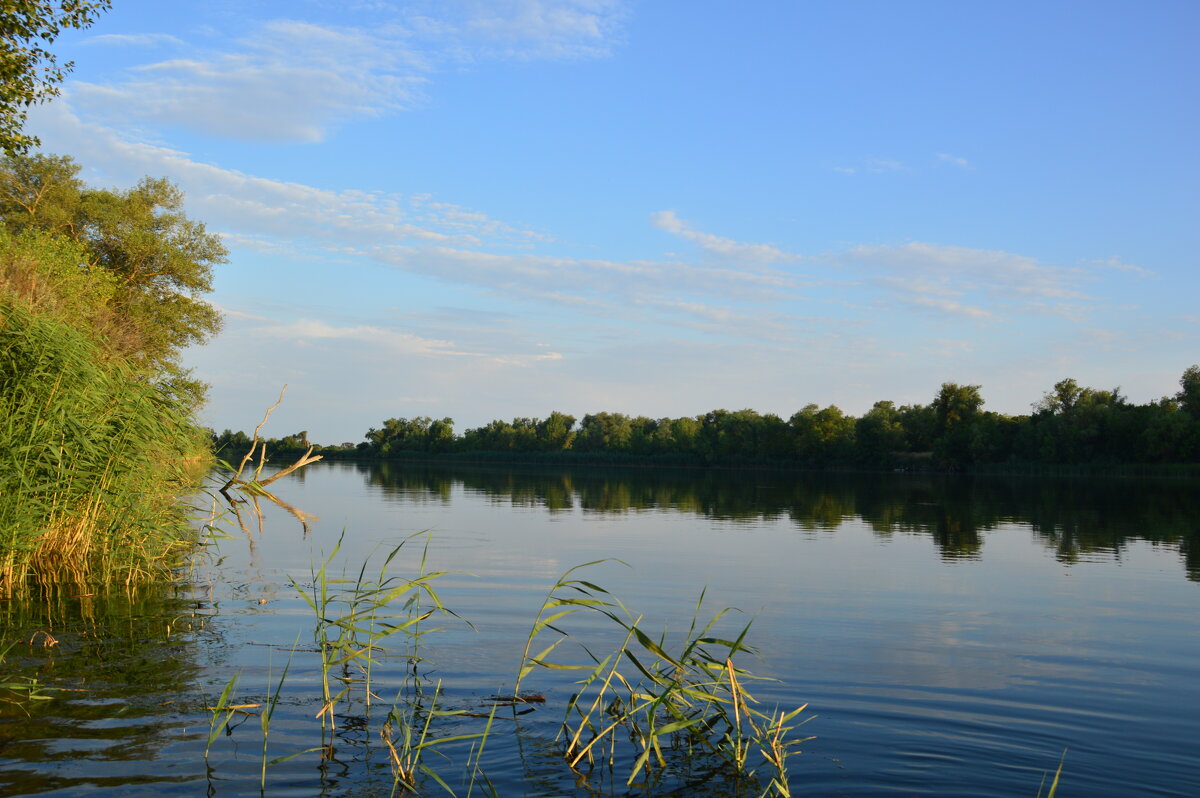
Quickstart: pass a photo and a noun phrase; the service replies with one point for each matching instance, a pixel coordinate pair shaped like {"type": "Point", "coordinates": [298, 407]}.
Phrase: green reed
{"type": "Point", "coordinates": [221, 713]}
{"type": "Point", "coordinates": [644, 704]}
{"type": "Point", "coordinates": [355, 617]}
{"type": "Point", "coordinates": [93, 458]}
{"type": "Point", "coordinates": [1057, 776]}
{"type": "Point", "coordinates": [407, 734]}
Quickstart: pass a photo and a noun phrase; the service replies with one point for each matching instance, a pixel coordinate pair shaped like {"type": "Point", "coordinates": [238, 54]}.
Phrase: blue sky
{"type": "Point", "coordinates": [488, 209]}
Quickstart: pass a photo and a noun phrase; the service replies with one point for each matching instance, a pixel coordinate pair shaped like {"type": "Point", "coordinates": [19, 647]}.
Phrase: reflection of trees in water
{"type": "Point", "coordinates": [1074, 517]}
{"type": "Point", "coordinates": [110, 667]}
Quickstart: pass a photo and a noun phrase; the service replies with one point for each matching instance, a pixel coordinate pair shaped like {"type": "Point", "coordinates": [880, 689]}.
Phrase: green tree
{"type": "Point", "coordinates": [1065, 396]}
{"type": "Point", "coordinates": [920, 427]}
{"type": "Point", "coordinates": [878, 435]}
{"type": "Point", "coordinates": [441, 435]}
{"type": "Point", "coordinates": [30, 73]}
{"type": "Point", "coordinates": [160, 260]}
{"type": "Point", "coordinates": [556, 432]}
{"type": "Point", "coordinates": [676, 435]}
{"type": "Point", "coordinates": [1189, 392]}
{"type": "Point", "coordinates": [956, 408]}
{"type": "Point", "coordinates": [822, 436]}
{"type": "Point", "coordinates": [604, 432]}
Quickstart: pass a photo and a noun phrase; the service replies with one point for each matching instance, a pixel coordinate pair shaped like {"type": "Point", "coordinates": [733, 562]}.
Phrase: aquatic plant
{"type": "Point", "coordinates": [689, 703]}
{"type": "Point", "coordinates": [222, 712]}
{"type": "Point", "coordinates": [1057, 776]}
{"type": "Point", "coordinates": [408, 737]}
{"type": "Point", "coordinates": [355, 617]}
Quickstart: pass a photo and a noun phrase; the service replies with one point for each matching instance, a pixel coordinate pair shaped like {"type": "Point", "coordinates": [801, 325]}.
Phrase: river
{"type": "Point", "coordinates": [950, 637]}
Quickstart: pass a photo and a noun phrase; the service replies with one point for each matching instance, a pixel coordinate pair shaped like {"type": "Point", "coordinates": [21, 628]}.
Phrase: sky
{"type": "Point", "coordinates": [496, 208]}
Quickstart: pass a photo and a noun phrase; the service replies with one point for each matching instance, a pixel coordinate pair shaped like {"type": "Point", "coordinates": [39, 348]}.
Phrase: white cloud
{"type": "Point", "coordinates": [230, 313]}
{"type": "Point", "coordinates": [135, 39]}
{"type": "Point", "coordinates": [948, 306]}
{"type": "Point", "coordinates": [602, 285]}
{"type": "Point", "coordinates": [974, 283]}
{"type": "Point", "coordinates": [304, 331]}
{"type": "Point", "coordinates": [1117, 264]}
{"type": "Point", "coordinates": [543, 28]}
{"type": "Point", "coordinates": [876, 166]}
{"type": "Point", "coordinates": [732, 322]}
{"type": "Point", "coordinates": [406, 343]}
{"type": "Point", "coordinates": [252, 210]}
{"type": "Point", "coordinates": [419, 234]}
{"type": "Point", "coordinates": [293, 81]}
{"type": "Point", "coordinates": [761, 253]}
{"type": "Point", "coordinates": [526, 361]}
{"type": "Point", "coordinates": [954, 160]}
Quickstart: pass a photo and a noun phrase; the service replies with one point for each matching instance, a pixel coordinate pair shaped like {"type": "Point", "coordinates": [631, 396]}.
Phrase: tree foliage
{"type": "Point", "coordinates": [1071, 425]}
{"type": "Point", "coordinates": [29, 72]}
{"type": "Point", "coordinates": [158, 259]}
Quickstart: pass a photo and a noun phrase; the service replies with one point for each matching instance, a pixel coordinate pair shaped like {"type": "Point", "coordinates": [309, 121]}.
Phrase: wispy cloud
{"type": "Point", "coordinates": [134, 39]}
{"type": "Point", "coordinates": [230, 313]}
{"type": "Point", "coordinates": [419, 234]}
{"type": "Point", "coordinates": [966, 282]}
{"type": "Point", "coordinates": [259, 212]}
{"type": "Point", "coordinates": [584, 283]}
{"type": "Point", "coordinates": [875, 166]}
{"type": "Point", "coordinates": [541, 28]}
{"type": "Point", "coordinates": [734, 322]}
{"type": "Point", "coordinates": [294, 81]}
{"type": "Point", "coordinates": [947, 306]}
{"type": "Point", "coordinates": [954, 160]}
{"type": "Point", "coordinates": [725, 247]}
{"type": "Point", "coordinates": [1116, 264]}
{"type": "Point", "coordinates": [305, 331]}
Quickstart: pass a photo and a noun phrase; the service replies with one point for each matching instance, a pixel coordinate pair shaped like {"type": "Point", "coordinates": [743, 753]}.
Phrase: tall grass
{"type": "Point", "coordinates": [93, 456]}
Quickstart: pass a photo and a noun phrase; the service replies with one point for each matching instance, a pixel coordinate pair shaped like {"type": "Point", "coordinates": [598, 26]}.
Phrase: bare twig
{"type": "Point", "coordinates": [303, 461]}
{"type": "Point", "coordinates": [233, 480]}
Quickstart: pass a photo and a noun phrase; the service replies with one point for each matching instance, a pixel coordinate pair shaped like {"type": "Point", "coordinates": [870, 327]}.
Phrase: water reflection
{"type": "Point", "coordinates": [87, 683]}
{"type": "Point", "coordinates": [1075, 518]}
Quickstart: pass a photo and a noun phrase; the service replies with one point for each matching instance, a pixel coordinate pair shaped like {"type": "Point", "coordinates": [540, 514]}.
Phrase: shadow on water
{"type": "Point", "coordinates": [1075, 518]}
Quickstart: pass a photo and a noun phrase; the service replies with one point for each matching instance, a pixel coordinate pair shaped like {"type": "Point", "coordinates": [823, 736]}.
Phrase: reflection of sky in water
{"type": "Point", "coordinates": [931, 662]}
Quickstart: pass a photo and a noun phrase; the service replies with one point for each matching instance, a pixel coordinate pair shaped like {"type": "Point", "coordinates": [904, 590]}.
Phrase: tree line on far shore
{"type": "Point", "coordinates": [1070, 425]}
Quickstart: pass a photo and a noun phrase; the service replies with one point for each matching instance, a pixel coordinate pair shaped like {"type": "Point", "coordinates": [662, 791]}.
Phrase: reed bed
{"type": "Point", "coordinates": [94, 455]}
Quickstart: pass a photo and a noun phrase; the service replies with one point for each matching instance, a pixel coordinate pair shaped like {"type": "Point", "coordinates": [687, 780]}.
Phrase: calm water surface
{"type": "Point", "coordinates": [949, 637]}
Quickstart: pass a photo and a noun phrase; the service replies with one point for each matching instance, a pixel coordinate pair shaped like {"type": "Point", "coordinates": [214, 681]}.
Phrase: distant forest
{"type": "Point", "coordinates": [1070, 425]}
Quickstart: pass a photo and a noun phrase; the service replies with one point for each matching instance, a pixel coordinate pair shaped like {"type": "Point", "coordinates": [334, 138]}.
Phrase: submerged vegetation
{"type": "Point", "coordinates": [99, 291]}
{"type": "Point", "coordinates": [1070, 426]}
